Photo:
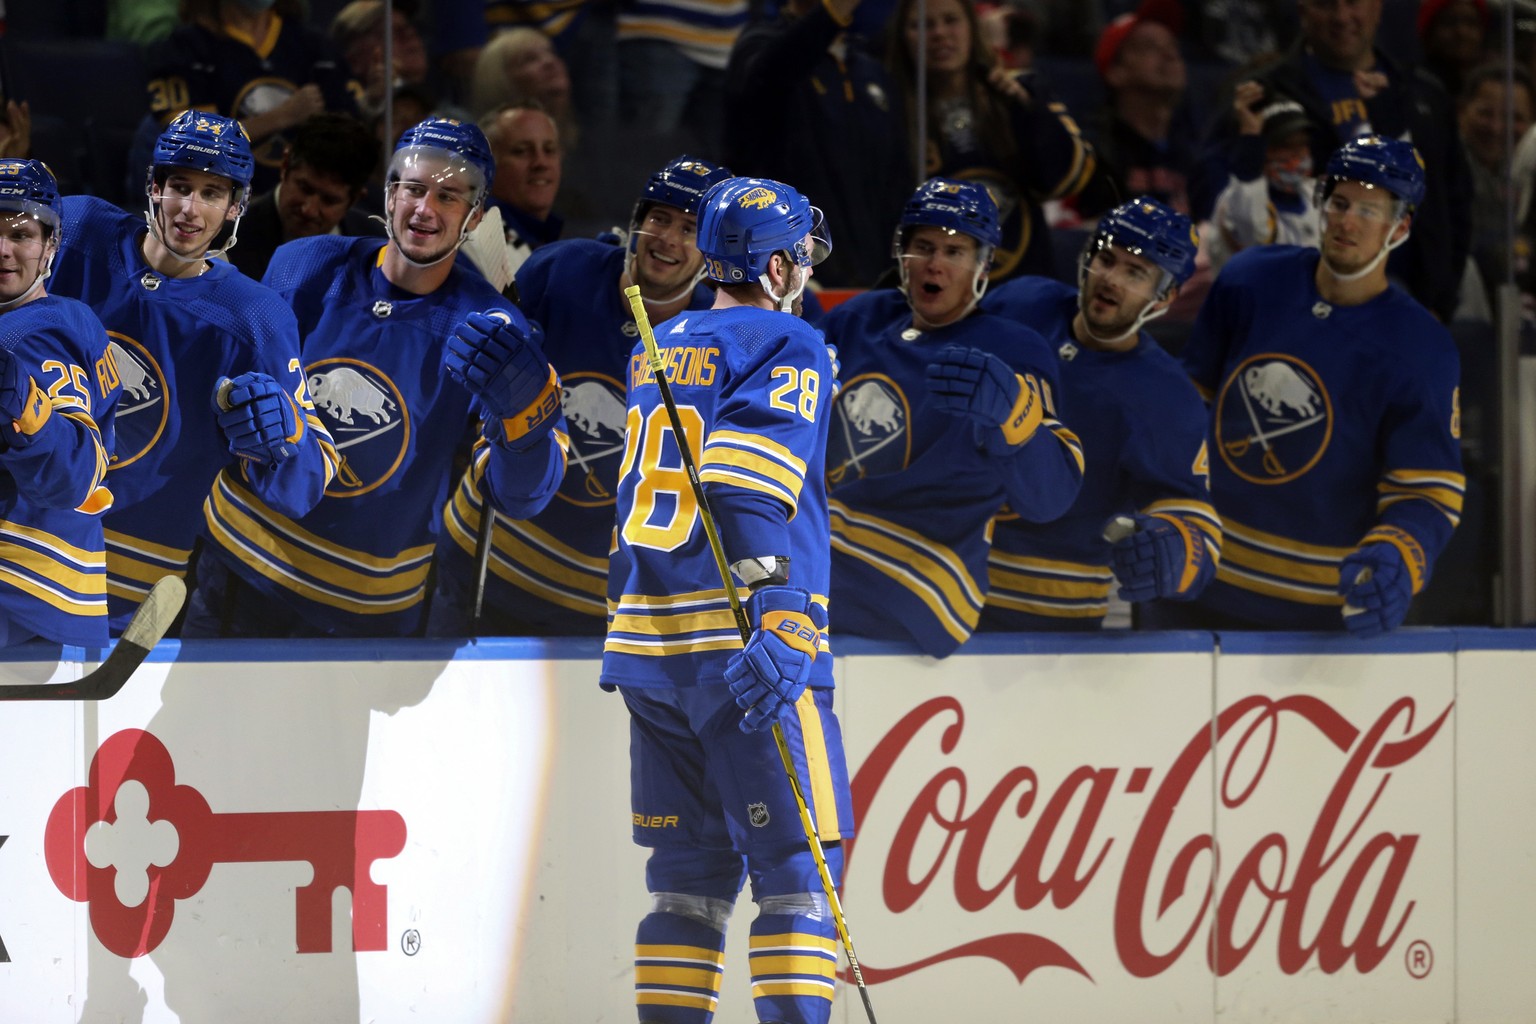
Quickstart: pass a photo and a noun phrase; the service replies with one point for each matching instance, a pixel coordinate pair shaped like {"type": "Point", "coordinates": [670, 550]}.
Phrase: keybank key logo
{"type": "Point", "coordinates": [132, 842]}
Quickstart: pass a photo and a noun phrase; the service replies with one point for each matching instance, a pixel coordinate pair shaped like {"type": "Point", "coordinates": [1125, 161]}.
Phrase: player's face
{"type": "Point", "coordinates": [947, 33]}
{"type": "Point", "coordinates": [941, 271]}
{"type": "Point", "coordinates": [428, 208]}
{"type": "Point", "coordinates": [23, 249]}
{"type": "Point", "coordinates": [194, 206]}
{"type": "Point", "coordinates": [527, 151]}
{"type": "Point", "coordinates": [1116, 290]}
{"type": "Point", "coordinates": [311, 202]}
{"type": "Point", "coordinates": [666, 252]}
{"type": "Point", "coordinates": [1341, 32]}
{"type": "Point", "coordinates": [1357, 221]}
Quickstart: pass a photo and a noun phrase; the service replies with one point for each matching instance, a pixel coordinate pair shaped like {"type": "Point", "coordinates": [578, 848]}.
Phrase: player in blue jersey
{"type": "Point", "coordinates": [1336, 464]}
{"type": "Point", "coordinates": [709, 794]}
{"type": "Point", "coordinates": [946, 415]}
{"type": "Point", "coordinates": [58, 390]}
{"type": "Point", "coordinates": [410, 360]}
{"type": "Point", "coordinates": [1143, 429]}
{"type": "Point", "coordinates": [209, 358]}
{"type": "Point", "coordinates": [548, 575]}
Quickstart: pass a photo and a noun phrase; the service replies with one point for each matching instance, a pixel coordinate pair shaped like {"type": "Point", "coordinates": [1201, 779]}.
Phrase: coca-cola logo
{"type": "Point", "coordinates": [1324, 897]}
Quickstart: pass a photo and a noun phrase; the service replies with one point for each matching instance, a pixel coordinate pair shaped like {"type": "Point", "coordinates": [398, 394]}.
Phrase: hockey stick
{"type": "Point", "coordinates": [807, 824]}
{"type": "Point", "coordinates": [146, 628]}
{"type": "Point", "coordinates": [482, 560]}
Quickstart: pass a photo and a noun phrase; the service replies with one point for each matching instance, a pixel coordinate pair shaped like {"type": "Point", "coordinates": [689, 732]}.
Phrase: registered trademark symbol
{"type": "Point", "coordinates": [1419, 959]}
{"type": "Point", "coordinates": [410, 942]}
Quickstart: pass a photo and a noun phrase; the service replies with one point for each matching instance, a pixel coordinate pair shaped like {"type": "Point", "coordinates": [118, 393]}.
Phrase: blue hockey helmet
{"type": "Point", "coordinates": [1148, 229]}
{"type": "Point", "coordinates": [744, 221]}
{"type": "Point", "coordinates": [1378, 161]}
{"type": "Point", "coordinates": [464, 144]}
{"type": "Point", "coordinates": [963, 207]}
{"type": "Point", "coordinates": [28, 186]}
{"type": "Point", "coordinates": [200, 141]}
{"type": "Point", "coordinates": [681, 184]}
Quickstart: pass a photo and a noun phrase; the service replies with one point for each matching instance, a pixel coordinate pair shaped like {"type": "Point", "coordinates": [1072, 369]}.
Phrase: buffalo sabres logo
{"type": "Point", "coordinates": [758, 199]}
{"type": "Point", "coordinates": [367, 418]}
{"type": "Point", "coordinates": [142, 410]}
{"type": "Point", "coordinates": [1273, 419]}
{"type": "Point", "coordinates": [594, 412]}
{"type": "Point", "coordinates": [870, 433]}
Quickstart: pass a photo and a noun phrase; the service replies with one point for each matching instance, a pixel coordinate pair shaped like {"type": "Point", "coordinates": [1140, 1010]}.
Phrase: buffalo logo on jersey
{"type": "Point", "coordinates": [1273, 419]}
{"type": "Point", "coordinates": [869, 434]}
{"type": "Point", "coordinates": [367, 418]}
{"type": "Point", "coordinates": [758, 199]}
{"type": "Point", "coordinates": [594, 412]}
{"type": "Point", "coordinates": [142, 410]}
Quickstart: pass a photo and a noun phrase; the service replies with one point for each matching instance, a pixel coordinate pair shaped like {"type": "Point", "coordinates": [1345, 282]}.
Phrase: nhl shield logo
{"type": "Point", "coordinates": [869, 435]}
{"type": "Point", "coordinates": [1274, 419]}
{"type": "Point", "coordinates": [757, 815]}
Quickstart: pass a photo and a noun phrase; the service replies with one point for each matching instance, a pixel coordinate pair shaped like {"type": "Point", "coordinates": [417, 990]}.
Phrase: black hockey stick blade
{"type": "Point", "coordinates": [148, 625]}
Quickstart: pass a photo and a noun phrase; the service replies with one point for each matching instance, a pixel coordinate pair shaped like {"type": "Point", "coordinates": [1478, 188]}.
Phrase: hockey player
{"type": "Point", "coordinates": [58, 391]}
{"type": "Point", "coordinates": [1143, 429]}
{"type": "Point", "coordinates": [1337, 469]}
{"type": "Point", "coordinates": [209, 358]}
{"type": "Point", "coordinates": [549, 575]}
{"type": "Point", "coordinates": [381, 324]}
{"type": "Point", "coordinates": [945, 415]}
{"type": "Point", "coordinates": [710, 796]}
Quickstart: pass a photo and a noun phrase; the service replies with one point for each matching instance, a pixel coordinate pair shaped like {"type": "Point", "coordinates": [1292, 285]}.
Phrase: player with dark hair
{"type": "Point", "coordinates": [548, 575]}
{"type": "Point", "coordinates": [1336, 464]}
{"type": "Point", "coordinates": [208, 357]}
{"type": "Point", "coordinates": [324, 173]}
{"type": "Point", "coordinates": [1146, 471]}
{"type": "Point", "coordinates": [58, 390]}
{"type": "Point", "coordinates": [946, 415]}
{"type": "Point", "coordinates": [403, 351]}
{"type": "Point", "coordinates": [709, 793]}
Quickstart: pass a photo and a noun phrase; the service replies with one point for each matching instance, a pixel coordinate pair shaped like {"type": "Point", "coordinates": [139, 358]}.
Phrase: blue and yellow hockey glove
{"type": "Point", "coordinates": [770, 673]}
{"type": "Point", "coordinates": [1158, 555]}
{"type": "Point", "coordinates": [970, 382]}
{"type": "Point", "coordinates": [258, 418]}
{"type": "Point", "coordinates": [24, 407]}
{"type": "Point", "coordinates": [498, 359]}
{"type": "Point", "coordinates": [1377, 585]}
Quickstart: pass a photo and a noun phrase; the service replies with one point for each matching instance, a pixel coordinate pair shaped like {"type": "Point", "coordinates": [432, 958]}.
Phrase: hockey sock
{"type": "Point", "coordinates": [794, 959]}
{"type": "Point", "coordinates": [678, 964]}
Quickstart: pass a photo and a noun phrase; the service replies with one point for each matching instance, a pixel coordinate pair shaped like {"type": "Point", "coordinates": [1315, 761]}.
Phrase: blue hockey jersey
{"type": "Point", "coordinates": [53, 580]}
{"type": "Point", "coordinates": [172, 339]}
{"type": "Point", "coordinates": [1143, 430]}
{"type": "Point", "coordinates": [914, 494]}
{"type": "Point", "coordinates": [357, 564]}
{"type": "Point", "coordinates": [751, 386]}
{"type": "Point", "coordinates": [549, 574]}
{"type": "Point", "coordinates": [1330, 424]}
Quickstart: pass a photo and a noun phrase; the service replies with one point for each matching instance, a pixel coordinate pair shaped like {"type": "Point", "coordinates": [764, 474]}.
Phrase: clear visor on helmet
{"type": "Point", "coordinates": [46, 218]}
{"type": "Point", "coordinates": [1105, 257]}
{"type": "Point", "coordinates": [817, 245]}
{"type": "Point", "coordinates": [951, 247]}
{"type": "Point", "coordinates": [1383, 206]}
{"type": "Point", "coordinates": [439, 171]}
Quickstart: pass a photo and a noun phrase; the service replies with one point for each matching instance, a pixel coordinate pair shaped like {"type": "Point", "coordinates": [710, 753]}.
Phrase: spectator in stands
{"type": "Point", "coordinates": [358, 32]}
{"type": "Point", "coordinates": [521, 66]}
{"type": "Point", "coordinates": [988, 124]}
{"type": "Point", "coordinates": [1453, 34]}
{"type": "Point", "coordinates": [1143, 137]}
{"type": "Point", "coordinates": [810, 106]}
{"type": "Point", "coordinates": [324, 174]}
{"type": "Point", "coordinates": [257, 63]}
{"type": "Point", "coordinates": [1269, 197]}
{"type": "Point", "coordinates": [1485, 111]}
{"type": "Point", "coordinates": [525, 142]}
{"type": "Point", "coordinates": [1349, 88]}
{"type": "Point", "coordinates": [144, 22]}
{"type": "Point", "coordinates": [16, 130]}
{"type": "Point", "coordinates": [672, 61]}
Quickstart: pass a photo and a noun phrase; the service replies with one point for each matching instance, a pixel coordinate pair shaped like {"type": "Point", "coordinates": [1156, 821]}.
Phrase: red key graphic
{"type": "Point", "coordinates": [341, 846]}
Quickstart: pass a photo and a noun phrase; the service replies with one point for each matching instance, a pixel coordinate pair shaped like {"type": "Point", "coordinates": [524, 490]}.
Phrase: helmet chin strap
{"type": "Point", "coordinates": [787, 303]}
{"type": "Point", "coordinates": [1369, 268]}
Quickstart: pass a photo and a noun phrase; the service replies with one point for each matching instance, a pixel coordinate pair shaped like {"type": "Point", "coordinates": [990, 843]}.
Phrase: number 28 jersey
{"type": "Point", "coordinates": [752, 389]}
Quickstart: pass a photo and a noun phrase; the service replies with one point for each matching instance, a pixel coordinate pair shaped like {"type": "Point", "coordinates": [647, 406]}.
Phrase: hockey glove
{"type": "Point", "coordinates": [1377, 586]}
{"type": "Point", "coordinates": [770, 673]}
{"type": "Point", "coordinates": [24, 407]}
{"type": "Point", "coordinates": [498, 360]}
{"type": "Point", "coordinates": [970, 382]}
{"type": "Point", "coordinates": [1158, 555]}
{"type": "Point", "coordinates": [258, 418]}
{"type": "Point", "coordinates": [837, 370]}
